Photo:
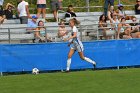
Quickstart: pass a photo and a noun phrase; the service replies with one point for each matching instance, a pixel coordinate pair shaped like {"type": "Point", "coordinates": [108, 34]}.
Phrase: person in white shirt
{"type": "Point", "coordinates": [1, 5]}
{"type": "Point", "coordinates": [76, 45]}
{"type": "Point", "coordinates": [23, 12]}
{"type": "Point", "coordinates": [1, 2]}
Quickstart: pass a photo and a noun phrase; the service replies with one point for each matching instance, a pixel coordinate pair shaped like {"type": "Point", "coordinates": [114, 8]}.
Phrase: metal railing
{"type": "Point", "coordinates": [83, 28]}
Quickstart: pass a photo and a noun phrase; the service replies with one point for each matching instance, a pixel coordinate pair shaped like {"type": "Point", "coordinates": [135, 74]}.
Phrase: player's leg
{"type": "Point", "coordinates": [86, 58]}
{"type": "Point", "coordinates": [71, 52]}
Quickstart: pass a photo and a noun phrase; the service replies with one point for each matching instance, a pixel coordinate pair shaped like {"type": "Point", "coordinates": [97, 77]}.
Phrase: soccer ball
{"type": "Point", "coordinates": [35, 71]}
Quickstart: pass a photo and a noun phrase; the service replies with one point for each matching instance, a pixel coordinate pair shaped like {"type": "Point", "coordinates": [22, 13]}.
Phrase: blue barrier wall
{"type": "Point", "coordinates": [53, 56]}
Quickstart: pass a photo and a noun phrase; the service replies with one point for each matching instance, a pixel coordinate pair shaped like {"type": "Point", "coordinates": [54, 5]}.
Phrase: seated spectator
{"type": "Point", "coordinates": [110, 13]}
{"type": "Point", "coordinates": [114, 20]}
{"type": "Point", "coordinates": [70, 12]}
{"type": "Point", "coordinates": [135, 28]}
{"type": "Point", "coordinates": [137, 7]}
{"type": "Point", "coordinates": [103, 26]}
{"type": "Point", "coordinates": [2, 15]}
{"type": "Point", "coordinates": [62, 32]}
{"type": "Point", "coordinates": [32, 23]}
{"type": "Point", "coordinates": [40, 33]}
{"type": "Point", "coordinates": [124, 30]}
{"type": "Point", "coordinates": [8, 11]}
{"type": "Point", "coordinates": [135, 24]}
{"type": "Point", "coordinates": [121, 13]}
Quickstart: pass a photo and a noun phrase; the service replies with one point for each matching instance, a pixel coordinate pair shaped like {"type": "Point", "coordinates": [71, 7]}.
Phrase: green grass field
{"type": "Point", "coordinates": [100, 81]}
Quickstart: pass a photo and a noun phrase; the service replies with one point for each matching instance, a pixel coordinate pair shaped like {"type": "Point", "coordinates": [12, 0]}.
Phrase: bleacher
{"type": "Point", "coordinates": [12, 29]}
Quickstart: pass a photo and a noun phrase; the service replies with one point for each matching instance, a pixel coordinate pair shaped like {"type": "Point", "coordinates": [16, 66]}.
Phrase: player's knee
{"type": "Point", "coordinates": [69, 56]}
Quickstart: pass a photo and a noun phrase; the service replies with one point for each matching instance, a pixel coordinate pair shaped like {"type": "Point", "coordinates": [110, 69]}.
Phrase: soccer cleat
{"type": "Point", "coordinates": [94, 66]}
{"type": "Point", "coordinates": [67, 71]}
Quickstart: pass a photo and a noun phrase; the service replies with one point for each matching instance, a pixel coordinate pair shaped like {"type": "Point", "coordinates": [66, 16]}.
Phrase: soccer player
{"type": "Point", "coordinates": [76, 45]}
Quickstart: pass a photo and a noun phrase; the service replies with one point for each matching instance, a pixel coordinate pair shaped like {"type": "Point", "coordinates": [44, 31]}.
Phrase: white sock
{"type": "Point", "coordinates": [89, 60]}
{"type": "Point", "coordinates": [68, 64]}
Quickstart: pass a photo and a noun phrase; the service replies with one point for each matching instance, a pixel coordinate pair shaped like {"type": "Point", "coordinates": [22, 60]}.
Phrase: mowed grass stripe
{"type": "Point", "coordinates": [102, 81]}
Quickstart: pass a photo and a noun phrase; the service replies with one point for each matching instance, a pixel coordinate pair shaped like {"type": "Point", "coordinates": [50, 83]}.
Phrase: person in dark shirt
{"type": "Point", "coordinates": [137, 7]}
{"type": "Point", "coordinates": [134, 25]}
{"type": "Point", "coordinates": [70, 12]}
{"type": "Point", "coordinates": [9, 12]}
{"type": "Point", "coordinates": [2, 15]}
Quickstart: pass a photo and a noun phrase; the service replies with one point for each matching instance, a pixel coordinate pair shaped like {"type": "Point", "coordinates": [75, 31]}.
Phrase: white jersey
{"type": "Point", "coordinates": [76, 42]}
{"type": "Point", "coordinates": [22, 8]}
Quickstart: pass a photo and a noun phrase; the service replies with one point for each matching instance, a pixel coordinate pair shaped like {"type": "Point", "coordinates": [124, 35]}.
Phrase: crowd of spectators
{"type": "Point", "coordinates": [116, 17]}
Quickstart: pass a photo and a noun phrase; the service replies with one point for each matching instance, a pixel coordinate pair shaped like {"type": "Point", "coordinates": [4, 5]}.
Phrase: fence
{"type": "Point", "coordinates": [53, 56]}
{"type": "Point", "coordinates": [88, 32]}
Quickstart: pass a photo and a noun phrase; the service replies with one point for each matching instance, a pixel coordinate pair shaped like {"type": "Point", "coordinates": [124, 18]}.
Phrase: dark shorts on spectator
{"type": "Point", "coordinates": [41, 5]}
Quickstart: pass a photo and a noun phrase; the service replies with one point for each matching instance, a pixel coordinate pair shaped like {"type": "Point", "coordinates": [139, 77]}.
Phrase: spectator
{"type": "Point", "coordinates": [2, 15]}
{"type": "Point", "coordinates": [62, 32]}
{"type": "Point", "coordinates": [1, 3]}
{"type": "Point", "coordinates": [32, 23]}
{"type": "Point", "coordinates": [121, 13]}
{"type": "Point", "coordinates": [107, 2]}
{"type": "Point", "coordinates": [56, 5]}
{"type": "Point", "coordinates": [124, 30]}
{"type": "Point", "coordinates": [8, 11]}
{"type": "Point", "coordinates": [23, 11]}
{"type": "Point", "coordinates": [137, 7]}
{"type": "Point", "coordinates": [70, 12]}
{"type": "Point", "coordinates": [41, 7]}
{"type": "Point", "coordinates": [110, 13]}
{"type": "Point", "coordinates": [102, 26]}
{"type": "Point", "coordinates": [115, 22]}
{"type": "Point", "coordinates": [40, 33]}
{"type": "Point", "coordinates": [135, 28]}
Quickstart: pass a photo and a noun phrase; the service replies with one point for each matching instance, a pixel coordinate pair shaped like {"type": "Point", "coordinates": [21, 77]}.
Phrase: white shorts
{"type": "Point", "coordinates": [77, 48]}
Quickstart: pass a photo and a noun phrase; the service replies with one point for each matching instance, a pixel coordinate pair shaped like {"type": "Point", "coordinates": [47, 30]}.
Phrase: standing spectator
{"type": "Point", "coordinates": [56, 5]}
{"type": "Point", "coordinates": [41, 7]}
{"type": "Point", "coordinates": [107, 2]}
{"type": "Point", "coordinates": [70, 12]}
{"type": "Point", "coordinates": [137, 7]}
{"type": "Point", "coordinates": [8, 11]}
{"type": "Point", "coordinates": [23, 11]}
{"type": "Point", "coordinates": [1, 3]}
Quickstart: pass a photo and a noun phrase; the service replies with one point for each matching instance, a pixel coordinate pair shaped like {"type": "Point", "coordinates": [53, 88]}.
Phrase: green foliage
{"type": "Point", "coordinates": [78, 3]}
